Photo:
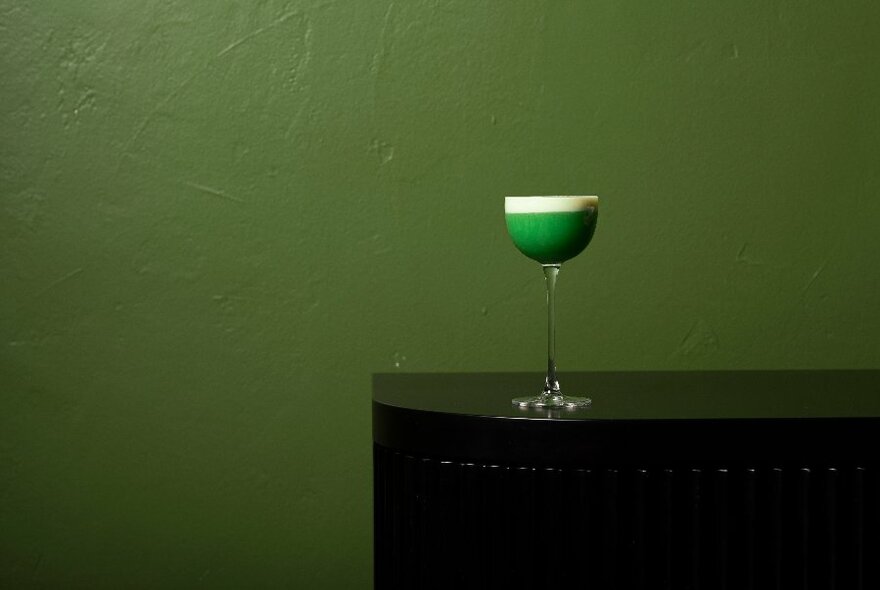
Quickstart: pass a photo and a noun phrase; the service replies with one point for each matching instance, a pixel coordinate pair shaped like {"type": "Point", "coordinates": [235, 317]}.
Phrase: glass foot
{"type": "Point", "coordinates": [552, 401]}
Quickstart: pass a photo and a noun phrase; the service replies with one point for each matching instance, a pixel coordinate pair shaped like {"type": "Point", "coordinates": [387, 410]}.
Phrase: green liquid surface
{"type": "Point", "coordinates": [552, 238]}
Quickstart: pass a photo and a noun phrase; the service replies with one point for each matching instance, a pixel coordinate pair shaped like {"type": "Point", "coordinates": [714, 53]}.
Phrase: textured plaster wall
{"type": "Point", "coordinates": [218, 218]}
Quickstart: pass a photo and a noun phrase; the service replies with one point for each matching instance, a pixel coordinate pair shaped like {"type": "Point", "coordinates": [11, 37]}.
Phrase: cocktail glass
{"type": "Point", "coordinates": [551, 230]}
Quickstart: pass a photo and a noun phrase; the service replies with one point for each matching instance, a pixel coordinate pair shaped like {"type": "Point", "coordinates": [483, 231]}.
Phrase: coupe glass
{"type": "Point", "coordinates": [551, 230]}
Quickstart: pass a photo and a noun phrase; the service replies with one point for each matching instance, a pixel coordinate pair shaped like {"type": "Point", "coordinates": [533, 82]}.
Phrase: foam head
{"type": "Point", "coordinates": [550, 204]}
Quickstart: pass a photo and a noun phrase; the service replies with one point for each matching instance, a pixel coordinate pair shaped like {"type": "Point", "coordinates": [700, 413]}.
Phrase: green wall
{"type": "Point", "coordinates": [218, 218]}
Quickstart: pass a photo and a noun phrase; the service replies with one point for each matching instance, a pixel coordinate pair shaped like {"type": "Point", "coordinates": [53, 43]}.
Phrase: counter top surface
{"type": "Point", "coordinates": [645, 395]}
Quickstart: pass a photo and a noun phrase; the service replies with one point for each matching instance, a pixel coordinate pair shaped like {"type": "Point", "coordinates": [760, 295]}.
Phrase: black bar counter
{"type": "Point", "coordinates": [721, 479]}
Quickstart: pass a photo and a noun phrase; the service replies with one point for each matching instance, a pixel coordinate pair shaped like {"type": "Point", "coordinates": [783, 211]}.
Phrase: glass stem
{"type": "Point", "coordinates": [551, 385]}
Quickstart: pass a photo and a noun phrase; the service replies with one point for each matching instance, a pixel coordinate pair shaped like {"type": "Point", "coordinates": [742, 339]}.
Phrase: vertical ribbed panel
{"type": "Point", "coordinates": [772, 575]}
{"type": "Point", "coordinates": [746, 546]}
{"type": "Point", "coordinates": [721, 533]}
{"type": "Point", "coordinates": [444, 524]}
{"type": "Point", "coordinates": [857, 521]}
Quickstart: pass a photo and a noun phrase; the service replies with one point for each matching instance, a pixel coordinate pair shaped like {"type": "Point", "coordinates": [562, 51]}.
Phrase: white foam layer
{"type": "Point", "coordinates": [557, 204]}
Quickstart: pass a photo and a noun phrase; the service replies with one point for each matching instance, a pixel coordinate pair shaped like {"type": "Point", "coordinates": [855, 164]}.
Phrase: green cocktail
{"type": "Point", "coordinates": [551, 230]}
{"type": "Point", "coordinates": [551, 237]}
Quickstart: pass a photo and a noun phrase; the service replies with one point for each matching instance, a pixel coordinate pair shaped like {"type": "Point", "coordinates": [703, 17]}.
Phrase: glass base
{"type": "Point", "coordinates": [552, 401]}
